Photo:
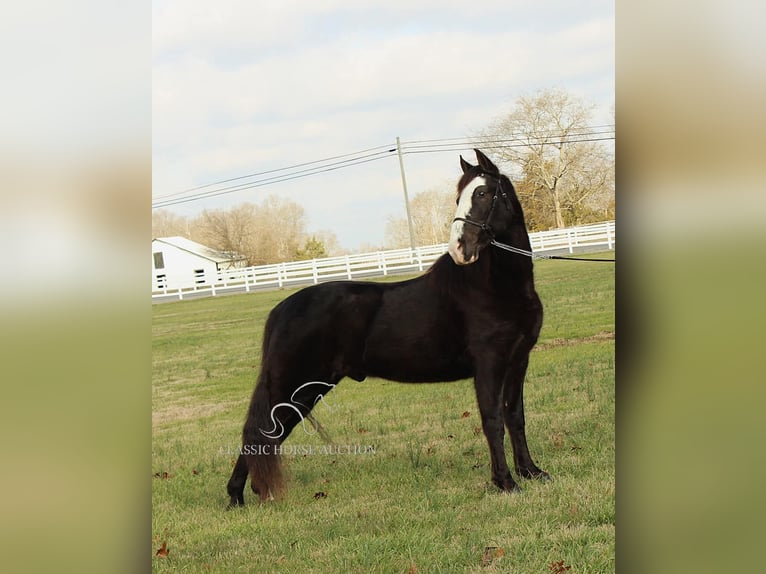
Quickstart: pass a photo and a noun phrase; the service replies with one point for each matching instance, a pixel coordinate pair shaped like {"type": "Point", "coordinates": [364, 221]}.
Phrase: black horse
{"type": "Point", "coordinates": [475, 313]}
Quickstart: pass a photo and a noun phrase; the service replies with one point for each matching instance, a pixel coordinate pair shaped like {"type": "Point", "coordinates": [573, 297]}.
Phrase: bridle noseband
{"type": "Point", "coordinates": [487, 228]}
{"type": "Point", "coordinates": [499, 191]}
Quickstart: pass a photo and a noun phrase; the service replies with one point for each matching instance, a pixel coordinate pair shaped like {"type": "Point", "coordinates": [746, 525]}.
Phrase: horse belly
{"type": "Point", "coordinates": [413, 347]}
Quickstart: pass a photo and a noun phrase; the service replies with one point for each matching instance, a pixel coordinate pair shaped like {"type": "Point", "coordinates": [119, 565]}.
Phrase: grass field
{"type": "Point", "coordinates": [419, 498]}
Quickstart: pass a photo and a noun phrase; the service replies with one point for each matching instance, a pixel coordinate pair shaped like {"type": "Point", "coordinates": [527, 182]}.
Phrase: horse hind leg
{"type": "Point", "coordinates": [258, 458]}
{"type": "Point", "coordinates": [236, 484]}
{"type": "Point", "coordinates": [262, 458]}
{"type": "Point", "coordinates": [264, 484]}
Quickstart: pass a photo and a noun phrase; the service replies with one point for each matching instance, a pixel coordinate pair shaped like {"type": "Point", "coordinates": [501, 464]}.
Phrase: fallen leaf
{"type": "Point", "coordinates": [573, 510]}
{"type": "Point", "coordinates": [559, 567]}
{"type": "Point", "coordinates": [163, 475]}
{"type": "Point", "coordinates": [476, 430]}
{"type": "Point", "coordinates": [466, 414]}
{"type": "Point", "coordinates": [362, 431]}
{"type": "Point", "coordinates": [450, 436]}
{"type": "Point", "coordinates": [491, 553]}
{"type": "Point", "coordinates": [163, 551]}
{"type": "Point", "coordinates": [413, 569]}
{"type": "Point", "coordinates": [320, 494]}
{"type": "Point", "coordinates": [195, 471]}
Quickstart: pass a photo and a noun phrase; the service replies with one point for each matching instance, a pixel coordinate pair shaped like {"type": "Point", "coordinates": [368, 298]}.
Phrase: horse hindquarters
{"type": "Point", "coordinates": [314, 336]}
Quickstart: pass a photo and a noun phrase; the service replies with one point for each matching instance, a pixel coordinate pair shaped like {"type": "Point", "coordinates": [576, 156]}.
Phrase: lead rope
{"type": "Point", "coordinates": [513, 249]}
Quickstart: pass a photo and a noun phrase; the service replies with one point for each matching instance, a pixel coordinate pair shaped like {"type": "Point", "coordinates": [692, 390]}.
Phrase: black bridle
{"type": "Point", "coordinates": [499, 192]}
{"type": "Point", "coordinates": [487, 228]}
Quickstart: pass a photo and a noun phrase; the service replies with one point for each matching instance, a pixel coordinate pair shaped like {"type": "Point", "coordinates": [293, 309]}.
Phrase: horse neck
{"type": "Point", "coordinates": [513, 269]}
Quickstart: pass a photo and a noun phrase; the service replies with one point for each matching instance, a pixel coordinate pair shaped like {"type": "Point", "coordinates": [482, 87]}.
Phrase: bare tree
{"type": "Point", "coordinates": [269, 232]}
{"type": "Point", "coordinates": [168, 224]}
{"type": "Point", "coordinates": [431, 212]}
{"type": "Point", "coordinates": [330, 242]}
{"type": "Point", "coordinates": [396, 235]}
{"type": "Point", "coordinates": [227, 230]}
{"type": "Point", "coordinates": [280, 230]}
{"type": "Point", "coordinates": [561, 173]}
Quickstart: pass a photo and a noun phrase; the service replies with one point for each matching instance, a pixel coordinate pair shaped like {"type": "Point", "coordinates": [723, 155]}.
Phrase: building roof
{"type": "Point", "coordinates": [199, 249]}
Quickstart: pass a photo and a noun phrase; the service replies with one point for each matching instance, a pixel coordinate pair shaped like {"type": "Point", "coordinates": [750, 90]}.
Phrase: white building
{"type": "Point", "coordinates": [180, 262]}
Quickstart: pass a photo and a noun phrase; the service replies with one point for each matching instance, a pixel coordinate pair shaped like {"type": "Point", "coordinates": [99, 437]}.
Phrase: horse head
{"type": "Point", "coordinates": [487, 207]}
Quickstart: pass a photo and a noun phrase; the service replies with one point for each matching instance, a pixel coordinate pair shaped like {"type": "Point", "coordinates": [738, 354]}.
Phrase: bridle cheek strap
{"type": "Point", "coordinates": [485, 226]}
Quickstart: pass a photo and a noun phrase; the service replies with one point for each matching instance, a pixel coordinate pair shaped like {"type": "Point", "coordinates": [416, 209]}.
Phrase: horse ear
{"type": "Point", "coordinates": [464, 164]}
{"type": "Point", "coordinates": [485, 162]}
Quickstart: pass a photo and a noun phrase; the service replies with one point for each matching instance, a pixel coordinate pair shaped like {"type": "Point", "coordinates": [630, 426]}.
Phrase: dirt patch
{"type": "Point", "coordinates": [602, 336]}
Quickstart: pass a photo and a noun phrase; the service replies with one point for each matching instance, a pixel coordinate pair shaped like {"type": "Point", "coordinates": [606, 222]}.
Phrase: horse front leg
{"type": "Point", "coordinates": [488, 383]}
{"type": "Point", "coordinates": [513, 411]}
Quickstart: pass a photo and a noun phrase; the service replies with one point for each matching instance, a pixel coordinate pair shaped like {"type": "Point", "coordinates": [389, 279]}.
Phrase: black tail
{"type": "Point", "coordinates": [263, 462]}
{"type": "Point", "coordinates": [259, 458]}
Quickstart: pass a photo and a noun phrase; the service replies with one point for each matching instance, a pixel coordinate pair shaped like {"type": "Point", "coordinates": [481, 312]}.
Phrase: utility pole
{"type": "Point", "coordinates": [406, 198]}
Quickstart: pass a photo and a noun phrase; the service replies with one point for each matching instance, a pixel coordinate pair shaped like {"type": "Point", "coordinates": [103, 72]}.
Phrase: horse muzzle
{"type": "Point", "coordinates": [457, 252]}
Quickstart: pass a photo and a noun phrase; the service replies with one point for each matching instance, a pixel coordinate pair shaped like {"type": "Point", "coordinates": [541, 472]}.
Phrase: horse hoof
{"type": "Point", "coordinates": [514, 489]}
{"type": "Point", "coordinates": [235, 503]}
{"type": "Point", "coordinates": [536, 473]}
{"type": "Point", "coordinates": [508, 487]}
{"type": "Point", "coordinates": [540, 475]}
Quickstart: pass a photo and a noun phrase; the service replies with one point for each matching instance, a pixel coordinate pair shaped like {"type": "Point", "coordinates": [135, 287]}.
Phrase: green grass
{"type": "Point", "coordinates": [422, 499]}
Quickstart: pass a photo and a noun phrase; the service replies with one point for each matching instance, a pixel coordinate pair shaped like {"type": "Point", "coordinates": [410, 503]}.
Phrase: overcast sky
{"type": "Point", "coordinates": [248, 86]}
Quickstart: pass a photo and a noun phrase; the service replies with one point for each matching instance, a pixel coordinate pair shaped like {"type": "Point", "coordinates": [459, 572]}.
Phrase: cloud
{"type": "Point", "coordinates": [242, 87]}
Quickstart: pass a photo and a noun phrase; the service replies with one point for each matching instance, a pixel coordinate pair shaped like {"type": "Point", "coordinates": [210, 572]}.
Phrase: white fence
{"type": "Point", "coordinates": [595, 237]}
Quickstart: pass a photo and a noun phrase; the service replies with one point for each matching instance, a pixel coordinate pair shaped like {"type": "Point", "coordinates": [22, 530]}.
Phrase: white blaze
{"type": "Point", "coordinates": [456, 230]}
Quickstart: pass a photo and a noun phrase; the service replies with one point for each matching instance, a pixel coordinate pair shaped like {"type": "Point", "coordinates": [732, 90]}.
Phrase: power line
{"type": "Point", "coordinates": [468, 146]}
{"type": "Point", "coordinates": [542, 133]}
{"type": "Point", "coordinates": [267, 181]}
{"type": "Point", "coordinates": [498, 141]}
{"type": "Point", "coordinates": [494, 142]}
{"type": "Point", "coordinates": [273, 171]}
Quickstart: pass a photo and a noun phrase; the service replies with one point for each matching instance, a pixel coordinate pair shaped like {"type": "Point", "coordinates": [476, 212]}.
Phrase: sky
{"type": "Point", "coordinates": [241, 87]}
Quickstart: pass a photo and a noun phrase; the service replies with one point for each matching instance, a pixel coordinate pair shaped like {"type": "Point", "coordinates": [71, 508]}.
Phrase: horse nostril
{"type": "Point", "coordinates": [469, 255]}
